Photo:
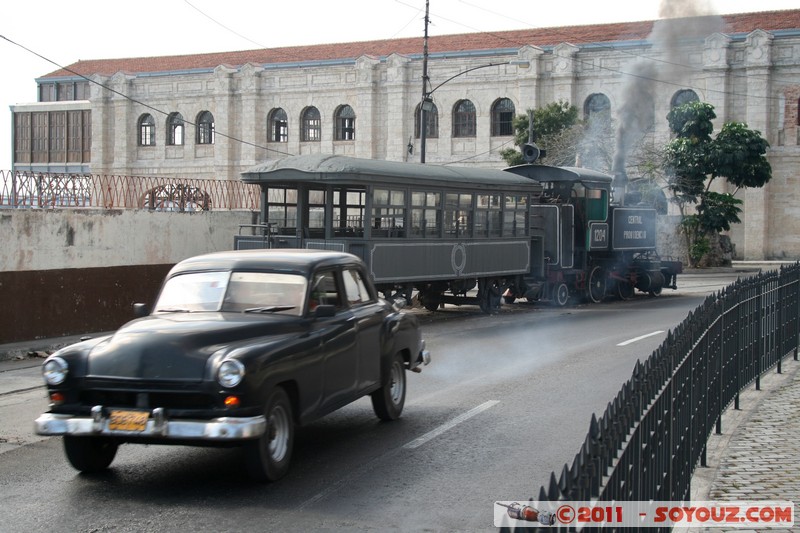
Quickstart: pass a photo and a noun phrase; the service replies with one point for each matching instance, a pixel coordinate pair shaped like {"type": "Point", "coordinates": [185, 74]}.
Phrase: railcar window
{"type": "Point", "coordinates": [388, 213]}
{"type": "Point", "coordinates": [282, 209]}
{"type": "Point", "coordinates": [316, 213]}
{"type": "Point", "coordinates": [348, 219]}
{"type": "Point", "coordinates": [426, 214]}
{"type": "Point", "coordinates": [487, 215]}
{"type": "Point", "coordinates": [515, 211]}
{"type": "Point", "coordinates": [458, 215]}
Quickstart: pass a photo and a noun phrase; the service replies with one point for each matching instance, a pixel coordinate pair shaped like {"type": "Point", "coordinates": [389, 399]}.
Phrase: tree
{"type": "Point", "coordinates": [693, 160]}
{"type": "Point", "coordinates": [556, 130]}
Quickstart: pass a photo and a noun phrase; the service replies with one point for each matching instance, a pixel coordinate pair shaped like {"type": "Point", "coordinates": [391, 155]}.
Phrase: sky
{"type": "Point", "coordinates": [57, 33]}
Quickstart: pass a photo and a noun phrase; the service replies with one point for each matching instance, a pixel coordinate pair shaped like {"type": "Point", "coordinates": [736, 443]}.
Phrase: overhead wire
{"type": "Point", "coordinates": [137, 101]}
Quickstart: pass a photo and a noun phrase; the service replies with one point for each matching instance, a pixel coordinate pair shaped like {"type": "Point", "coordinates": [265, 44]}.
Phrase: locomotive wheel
{"type": "Point", "coordinates": [596, 287]}
{"type": "Point", "coordinates": [654, 292]}
{"type": "Point", "coordinates": [561, 295]}
{"type": "Point", "coordinates": [624, 290]}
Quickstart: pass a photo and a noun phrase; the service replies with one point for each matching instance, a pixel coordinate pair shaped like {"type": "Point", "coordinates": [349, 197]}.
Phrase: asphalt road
{"type": "Point", "coordinates": [506, 401]}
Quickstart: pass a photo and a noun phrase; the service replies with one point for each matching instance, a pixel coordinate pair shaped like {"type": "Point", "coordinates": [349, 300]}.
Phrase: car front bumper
{"type": "Point", "coordinates": [220, 429]}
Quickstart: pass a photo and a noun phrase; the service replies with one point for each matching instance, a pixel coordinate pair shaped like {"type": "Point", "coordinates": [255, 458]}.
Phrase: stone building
{"type": "Point", "coordinates": [214, 115]}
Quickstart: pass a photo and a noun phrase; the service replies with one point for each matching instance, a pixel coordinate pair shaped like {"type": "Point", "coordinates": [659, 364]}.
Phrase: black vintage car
{"type": "Point", "coordinates": [239, 348]}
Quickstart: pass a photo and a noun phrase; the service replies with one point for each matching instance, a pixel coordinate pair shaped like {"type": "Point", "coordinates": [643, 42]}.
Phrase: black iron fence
{"type": "Point", "coordinates": [653, 434]}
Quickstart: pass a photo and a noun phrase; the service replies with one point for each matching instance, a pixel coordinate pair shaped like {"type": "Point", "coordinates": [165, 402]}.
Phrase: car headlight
{"type": "Point", "coordinates": [230, 373]}
{"type": "Point", "coordinates": [54, 371]}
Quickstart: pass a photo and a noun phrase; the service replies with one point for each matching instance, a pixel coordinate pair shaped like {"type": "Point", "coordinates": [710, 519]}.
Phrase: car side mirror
{"type": "Point", "coordinates": [324, 311]}
{"type": "Point", "coordinates": [140, 310]}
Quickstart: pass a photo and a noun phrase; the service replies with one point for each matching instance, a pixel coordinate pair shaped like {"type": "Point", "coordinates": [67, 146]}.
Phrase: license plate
{"type": "Point", "coordinates": [128, 420]}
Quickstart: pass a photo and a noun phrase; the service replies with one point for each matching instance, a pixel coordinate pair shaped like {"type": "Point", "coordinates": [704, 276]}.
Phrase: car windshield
{"type": "Point", "coordinates": [239, 292]}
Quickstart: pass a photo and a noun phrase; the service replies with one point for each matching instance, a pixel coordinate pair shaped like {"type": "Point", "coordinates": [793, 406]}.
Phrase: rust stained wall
{"type": "Point", "coordinates": [54, 303]}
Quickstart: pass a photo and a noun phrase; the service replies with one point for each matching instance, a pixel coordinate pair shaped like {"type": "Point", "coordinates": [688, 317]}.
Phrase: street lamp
{"type": "Point", "coordinates": [426, 106]}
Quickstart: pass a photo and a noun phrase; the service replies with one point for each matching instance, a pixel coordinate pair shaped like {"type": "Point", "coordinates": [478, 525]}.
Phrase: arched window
{"type": "Point", "coordinates": [278, 126]}
{"type": "Point", "coordinates": [312, 126]}
{"type": "Point", "coordinates": [597, 106]}
{"type": "Point", "coordinates": [431, 121]}
{"type": "Point", "coordinates": [684, 96]}
{"type": "Point", "coordinates": [205, 128]}
{"type": "Point", "coordinates": [147, 130]}
{"type": "Point", "coordinates": [345, 119]}
{"type": "Point", "coordinates": [503, 117]}
{"type": "Point", "coordinates": [464, 119]}
{"type": "Point", "coordinates": [175, 129]}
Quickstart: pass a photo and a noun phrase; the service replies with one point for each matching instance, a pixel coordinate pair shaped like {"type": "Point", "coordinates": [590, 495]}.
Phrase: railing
{"type": "Point", "coordinates": [44, 191]}
{"type": "Point", "coordinates": [653, 434]}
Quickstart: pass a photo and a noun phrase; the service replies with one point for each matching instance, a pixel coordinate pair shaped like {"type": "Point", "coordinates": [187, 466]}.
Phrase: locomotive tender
{"type": "Point", "coordinates": [531, 231]}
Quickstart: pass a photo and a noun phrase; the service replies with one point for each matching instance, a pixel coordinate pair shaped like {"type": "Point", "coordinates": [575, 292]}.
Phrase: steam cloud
{"type": "Point", "coordinates": [680, 20]}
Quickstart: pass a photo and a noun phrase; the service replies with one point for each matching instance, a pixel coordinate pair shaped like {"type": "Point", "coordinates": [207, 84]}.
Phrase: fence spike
{"type": "Point", "coordinates": [553, 494]}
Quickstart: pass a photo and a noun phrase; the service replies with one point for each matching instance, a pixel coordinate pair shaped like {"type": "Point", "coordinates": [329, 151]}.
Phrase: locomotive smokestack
{"type": "Point", "coordinates": [620, 185]}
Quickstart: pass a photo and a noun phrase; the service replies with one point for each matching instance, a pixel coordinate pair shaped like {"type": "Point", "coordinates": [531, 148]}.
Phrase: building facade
{"type": "Point", "coordinates": [215, 115]}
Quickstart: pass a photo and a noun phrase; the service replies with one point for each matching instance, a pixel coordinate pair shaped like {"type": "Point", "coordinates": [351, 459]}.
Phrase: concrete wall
{"type": "Point", "coordinates": [70, 272]}
{"type": "Point", "coordinates": [48, 239]}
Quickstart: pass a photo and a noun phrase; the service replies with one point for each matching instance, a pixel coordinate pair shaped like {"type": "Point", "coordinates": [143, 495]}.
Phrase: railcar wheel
{"type": "Point", "coordinates": [388, 401]}
{"type": "Point", "coordinates": [89, 454]}
{"type": "Point", "coordinates": [489, 296]}
{"type": "Point", "coordinates": [561, 295]}
{"type": "Point", "coordinates": [624, 290]}
{"type": "Point", "coordinates": [430, 300]}
{"type": "Point", "coordinates": [267, 458]}
{"type": "Point", "coordinates": [596, 286]}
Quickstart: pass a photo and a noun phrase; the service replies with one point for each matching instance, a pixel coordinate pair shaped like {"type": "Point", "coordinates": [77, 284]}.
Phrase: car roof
{"type": "Point", "coordinates": [299, 261]}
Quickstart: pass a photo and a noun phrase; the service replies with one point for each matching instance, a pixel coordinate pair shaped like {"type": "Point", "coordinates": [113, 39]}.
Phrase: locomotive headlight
{"type": "Point", "coordinates": [230, 373]}
{"type": "Point", "coordinates": [55, 371]}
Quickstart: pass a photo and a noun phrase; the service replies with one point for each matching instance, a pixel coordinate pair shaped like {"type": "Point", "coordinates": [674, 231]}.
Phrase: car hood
{"type": "Point", "coordinates": [177, 346]}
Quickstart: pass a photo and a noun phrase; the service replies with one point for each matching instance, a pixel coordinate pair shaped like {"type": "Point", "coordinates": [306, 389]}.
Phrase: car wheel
{"type": "Point", "coordinates": [89, 454]}
{"type": "Point", "coordinates": [267, 458]}
{"type": "Point", "coordinates": [388, 401]}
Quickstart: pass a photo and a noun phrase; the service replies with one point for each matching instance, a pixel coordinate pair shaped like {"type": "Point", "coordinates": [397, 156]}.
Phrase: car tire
{"type": "Point", "coordinates": [89, 454]}
{"type": "Point", "coordinates": [267, 458]}
{"type": "Point", "coordinates": [388, 401]}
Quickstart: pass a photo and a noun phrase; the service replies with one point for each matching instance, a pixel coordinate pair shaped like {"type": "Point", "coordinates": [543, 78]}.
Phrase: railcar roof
{"type": "Point", "coordinates": [336, 169]}
{"type": "Point", "coordinates": [545, 173]}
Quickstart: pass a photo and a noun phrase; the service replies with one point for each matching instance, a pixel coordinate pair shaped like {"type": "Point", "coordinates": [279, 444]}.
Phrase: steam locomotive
{"type": "Point", "coordinates": [591, 245]}
{"type": "Point", "coordinates": [438, 233]}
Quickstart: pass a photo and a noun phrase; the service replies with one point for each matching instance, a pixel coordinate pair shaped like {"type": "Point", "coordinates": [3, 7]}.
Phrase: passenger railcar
{"type": "Point", "coordinates": [532, 231]}
{"type": "Point", "coordinates": [437, 230]}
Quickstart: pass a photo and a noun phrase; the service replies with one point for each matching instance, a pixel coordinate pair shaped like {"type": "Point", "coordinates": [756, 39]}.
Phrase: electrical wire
{"type": "Point", "coordinates": [134, 100]}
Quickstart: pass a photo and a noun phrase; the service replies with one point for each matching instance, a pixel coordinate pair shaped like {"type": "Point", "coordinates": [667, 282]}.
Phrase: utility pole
{"type": "Point", "coordinates": [423, 126]}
